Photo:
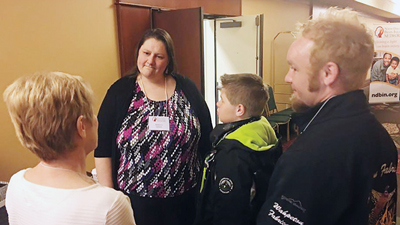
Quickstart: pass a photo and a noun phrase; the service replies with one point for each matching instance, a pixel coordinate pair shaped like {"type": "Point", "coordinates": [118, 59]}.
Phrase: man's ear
{"type": "Point", "coordinates": [81, 127]}
{"type": "Point", "coordinates": [240, 110]}
{"type": "Point", "coordinates": [330, 73]}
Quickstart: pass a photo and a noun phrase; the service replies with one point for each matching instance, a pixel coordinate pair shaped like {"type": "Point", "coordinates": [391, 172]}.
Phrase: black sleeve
{"type": "Point", "coordinates": [307, 188]}
{"type": "Point", "coordinates": [206, 128]}
{"type": "Point", "coordinates": [107, 120]}
{"type": "Point", "coordinates": [287, 199]}
{"type": "Point", "coordinates": [112, 110]}
{"type": "Point", "coordinates": [231, 189]}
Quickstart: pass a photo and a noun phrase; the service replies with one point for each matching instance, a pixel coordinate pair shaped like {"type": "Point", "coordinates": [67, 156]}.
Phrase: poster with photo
{"type": "Point", "coordinates": [385, 69]}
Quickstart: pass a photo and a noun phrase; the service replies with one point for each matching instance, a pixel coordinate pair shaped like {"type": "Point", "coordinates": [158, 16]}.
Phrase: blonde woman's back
{"type": "Point", "coordinates": [29, 203]}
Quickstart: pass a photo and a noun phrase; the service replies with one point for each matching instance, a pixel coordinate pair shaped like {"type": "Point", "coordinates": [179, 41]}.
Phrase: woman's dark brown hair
{"type": "Point", "coordinates": [163, 36]}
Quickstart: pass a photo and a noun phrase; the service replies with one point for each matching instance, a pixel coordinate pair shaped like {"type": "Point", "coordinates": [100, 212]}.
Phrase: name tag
{"type": "Point", "coordinates": [159, 123]}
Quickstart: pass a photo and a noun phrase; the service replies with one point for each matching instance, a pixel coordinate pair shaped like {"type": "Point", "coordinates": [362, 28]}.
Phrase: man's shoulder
{"type": "Point", "coordinates": [378, 63]}
{"type": "Point", "coordinates": [359, 134]}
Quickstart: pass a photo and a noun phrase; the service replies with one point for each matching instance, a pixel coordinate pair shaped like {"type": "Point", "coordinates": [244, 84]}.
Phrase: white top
{"type": "Point", "coordinates": [391, 70]}
{"type": "Point", "coordinates": [29, 203]}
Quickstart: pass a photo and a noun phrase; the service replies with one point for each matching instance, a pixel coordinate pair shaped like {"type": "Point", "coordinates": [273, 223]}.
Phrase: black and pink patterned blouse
{"type": "Point", "coordinates": [158, 163]}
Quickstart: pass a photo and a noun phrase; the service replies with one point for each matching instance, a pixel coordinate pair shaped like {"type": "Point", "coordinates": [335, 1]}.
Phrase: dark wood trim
{"type": "Point", "coordinates": [203, 88]}
{"type": "Point", "coordinates": [216, 7]}
{"type": "Point", "coordinates": [141, 5]}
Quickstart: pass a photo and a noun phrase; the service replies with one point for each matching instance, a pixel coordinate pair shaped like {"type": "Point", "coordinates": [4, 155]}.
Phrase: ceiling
{"type": "Point", "coordinates": [387, 10]}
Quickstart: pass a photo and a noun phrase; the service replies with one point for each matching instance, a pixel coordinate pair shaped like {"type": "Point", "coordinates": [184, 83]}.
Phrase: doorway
{"type": "Point", "coordinates": [231, 45]}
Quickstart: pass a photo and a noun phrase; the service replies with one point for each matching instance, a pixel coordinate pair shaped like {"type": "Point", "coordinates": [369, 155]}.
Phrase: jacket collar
{"type": "Point", "coordinates": [222, 130]}
{"type": "Point", "coordinates": [344, 105]}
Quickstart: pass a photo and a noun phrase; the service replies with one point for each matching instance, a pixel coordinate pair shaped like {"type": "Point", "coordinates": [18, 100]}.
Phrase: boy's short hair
{"type": "Point", "coordinates": [44, 108]}
{"type": "Point", "coordinates": [246, 89]}
{"type": "Point", "coordinates": [395, 59]}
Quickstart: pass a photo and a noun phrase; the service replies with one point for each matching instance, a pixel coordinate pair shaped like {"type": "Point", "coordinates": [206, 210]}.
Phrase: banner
{"type": "Point", "coordinates": [385, 69]}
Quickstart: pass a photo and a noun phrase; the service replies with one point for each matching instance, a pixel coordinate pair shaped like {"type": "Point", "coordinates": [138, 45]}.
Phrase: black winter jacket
{"type": "Point", "coordinates": [236, 173]}
{"type": "Point", "coordinates": [337, 170]}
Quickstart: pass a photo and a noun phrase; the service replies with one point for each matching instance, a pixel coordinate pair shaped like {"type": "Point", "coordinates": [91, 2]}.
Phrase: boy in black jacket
{"type": "Point", "coordinates": [245, 149]}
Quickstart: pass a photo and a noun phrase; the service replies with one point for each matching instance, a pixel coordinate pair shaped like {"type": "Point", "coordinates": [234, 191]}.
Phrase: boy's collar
{"type": "Point", "coordinates": [235, 124]}
{"type": "Point", "coordinates": [222, 130]}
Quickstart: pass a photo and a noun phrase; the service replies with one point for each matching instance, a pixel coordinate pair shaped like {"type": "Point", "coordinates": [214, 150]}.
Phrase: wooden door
{"type": "Point", "coordinates": [133, 21]}
{"type": "Point", "coordinates": [186, 29]}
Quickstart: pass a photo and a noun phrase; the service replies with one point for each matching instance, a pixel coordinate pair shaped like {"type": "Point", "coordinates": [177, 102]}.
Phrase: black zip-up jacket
{"type": "Point", "coordinates": [340, 169]}
{"type": "Point", "coordinates": [237, 171]}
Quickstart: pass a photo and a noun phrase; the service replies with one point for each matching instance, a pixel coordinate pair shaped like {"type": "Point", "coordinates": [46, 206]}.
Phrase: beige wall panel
{"type": "Point", "coordinates": [282, 99]}
{"type": "Point", "coordinates": [282, 88]}
{"type": "Point", "coordinates": [279, 15]}
{"type": "Point", "coordinates": [74, 36]}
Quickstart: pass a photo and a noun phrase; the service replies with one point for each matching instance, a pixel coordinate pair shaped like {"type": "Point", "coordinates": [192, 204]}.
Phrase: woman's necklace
{"type": "Point", "coordinates": [85, 177]}
{"type": "Point", "coordinates": [157, 122]}
{"type": "Point", "coordinates": [165, 89]}
{"type": "Point", "coordinates": [56, 168]}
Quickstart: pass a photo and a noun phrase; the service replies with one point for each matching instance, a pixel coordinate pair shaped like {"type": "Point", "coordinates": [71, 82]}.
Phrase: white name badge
{"type": "Point", "coordinates": [159, 123]}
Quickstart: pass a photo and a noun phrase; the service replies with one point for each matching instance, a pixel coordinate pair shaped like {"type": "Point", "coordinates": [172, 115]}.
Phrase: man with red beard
{"type": "Point", "coordinates": [378, 71]}
{"type": "Point", "coordinates": [344, 161]}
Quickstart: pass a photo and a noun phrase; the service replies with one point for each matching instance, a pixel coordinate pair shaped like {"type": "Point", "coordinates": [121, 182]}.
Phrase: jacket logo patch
{"type": "Point", "coordinates": [225, 185]}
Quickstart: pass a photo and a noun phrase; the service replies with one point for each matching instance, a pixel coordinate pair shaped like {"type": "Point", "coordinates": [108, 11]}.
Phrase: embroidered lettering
{"type": "Point", "coordinates": [387, 169]}
{"type": "Point", "coordinates": [286, 214]}
{"type": "Point", "coordinates": [276, 218]}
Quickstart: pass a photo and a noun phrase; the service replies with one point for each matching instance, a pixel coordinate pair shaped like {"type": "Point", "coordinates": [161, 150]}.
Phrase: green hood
{"type": "Point", "coordinates": [258, 135]}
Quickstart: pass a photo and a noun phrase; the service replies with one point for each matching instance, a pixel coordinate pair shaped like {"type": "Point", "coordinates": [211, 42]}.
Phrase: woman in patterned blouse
{"type": "Point", "coordinates": [153, 132]}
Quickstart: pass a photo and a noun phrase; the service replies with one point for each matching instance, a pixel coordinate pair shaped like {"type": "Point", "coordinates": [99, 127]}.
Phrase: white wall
{"type": "Point", "coordinates": [209, 67]}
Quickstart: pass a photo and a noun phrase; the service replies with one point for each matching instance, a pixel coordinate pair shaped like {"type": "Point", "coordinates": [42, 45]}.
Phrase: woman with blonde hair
{"type": "Point", "coordinates": [53, 118]}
